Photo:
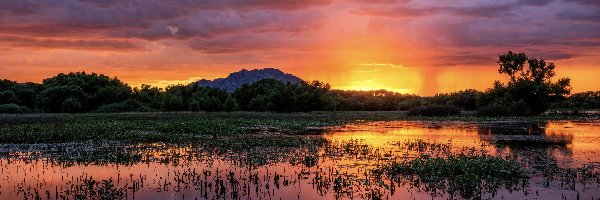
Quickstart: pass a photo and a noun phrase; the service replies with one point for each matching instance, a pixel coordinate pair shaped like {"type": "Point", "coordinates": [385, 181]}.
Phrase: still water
{"type": "Point", "coordinates": [342, 168]}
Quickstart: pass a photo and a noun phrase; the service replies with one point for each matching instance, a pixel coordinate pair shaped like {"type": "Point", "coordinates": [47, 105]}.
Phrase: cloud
{"type": "Point", "coordinates": [249, 4]}
{"type": "Point", "coordinates": [210, 27]}
{"type": "Point", "coordinates": [19, 8]}
{"type": "Point", "coordinates": [157, 19]}
{"type": "Point", "coordinates": [173, 29]}
{"type": "Point", "coordinates": [92, 44]}
{"type": "Point", "coordinates": [419, 10]}
{"type": "Point", "coordinates": [262, 42]}
{"type": "Point", "coordinates": [212, 24]}
{"type": "Point", "coordinates": [585, 2]}
{"type": "Point", "coordinates": [585, 16]}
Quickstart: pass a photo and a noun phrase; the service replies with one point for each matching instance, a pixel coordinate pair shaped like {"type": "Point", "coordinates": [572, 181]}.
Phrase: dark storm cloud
{"type": "Point", "coordinates": [153, 19]}
{"type": "Point", "coordinates": [477, 10]}
{"type": "Point", "coordinates": [249, 4]}
{"type": "Point", "coordinates": [102, 44]}
{"type": "Point", "coordinates": [585, 2]}
{"type": "Point", "coordinates": [553, 29]}
{"type": "Point", "coordinates": [590, 16]}
{"type": "Point", "coordinates": [212, 24]}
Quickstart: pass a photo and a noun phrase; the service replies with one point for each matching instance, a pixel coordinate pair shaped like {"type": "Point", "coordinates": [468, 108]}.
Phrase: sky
{"type": "Point", "coordinates": [411, 46]}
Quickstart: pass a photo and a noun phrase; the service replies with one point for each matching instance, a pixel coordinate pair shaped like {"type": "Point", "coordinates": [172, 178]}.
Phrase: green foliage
{"type": "Point", "coordinates": [411, 103]}
{"type": "Point", "coordinates": [519, 108]}
{"type": "Point", "coordinates": [273, 95]}
{"type": "Point", "coordinates": [465, 99]}
{"type": "Point", "coordinates": [434, 111]}
{"type": "Point", "coordinates": [172, 102]}
{"type": "Point", "coordinates": [584, 100]}
{"type": "Point", "coordinates": [23, 94]}
{"type": "Point", "coordinates": [149, 96]}
{"type": "Point", "coordinates": [376, 100]}
{"type": "Point", "coordinates": [8, 96]}
{"type": "Point", "coordinates": [88, 90]}
{"type": "Point", "coordinates": [129, 105]}
{"type": "Point", "coordinates": [230, 104]}
{"type": "Point", "coordinates": [465, 176]}
{"type": "Point", "coordinates": [51, 99]}
{"type": "Point", "coordinates": [71, 105]}
{"type": "Point", "coordinates": [493, 110]}
{"type": "Point", "coordinates": [13, 109]}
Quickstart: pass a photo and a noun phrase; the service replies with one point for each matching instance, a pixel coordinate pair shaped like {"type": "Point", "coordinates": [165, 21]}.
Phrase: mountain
{"type": "Point", "coordinates": [235, 80]}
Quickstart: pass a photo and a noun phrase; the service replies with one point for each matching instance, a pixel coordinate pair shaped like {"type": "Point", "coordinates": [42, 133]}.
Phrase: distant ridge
{"type": "Point", "coordinates": [235, 80]}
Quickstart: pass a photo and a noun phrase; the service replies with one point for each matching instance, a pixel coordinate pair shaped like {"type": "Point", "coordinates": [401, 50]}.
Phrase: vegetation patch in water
{"type": "Point", "coordinates": [461, 175]}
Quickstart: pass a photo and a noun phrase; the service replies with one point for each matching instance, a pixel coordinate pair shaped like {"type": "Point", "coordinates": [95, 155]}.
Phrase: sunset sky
{"type": "Point", "coordinates": [412, 46]}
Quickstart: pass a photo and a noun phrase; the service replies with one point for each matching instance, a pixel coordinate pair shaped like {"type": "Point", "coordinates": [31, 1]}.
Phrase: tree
{"type": "Point", "coordinates": [230, 104]}
{"type": "Point", "coordinates": [149, 96]}
{"type": "Point", "coordinates": [71, 105]}
{"type": "Point", "coordinates": [511, 64]}
{"type": "Point", "coordinates": [93, 89]}
{"type": "Point", "coordinates": [173, 102]}
{"type": "Point", "coordinates": [532, 84]}
{"type": "Point", "coordinates": [8, 97]}
{"type": "Point", "coordinates": [23, 94]}
{"type": "Point", "coordinates": [51, 99]}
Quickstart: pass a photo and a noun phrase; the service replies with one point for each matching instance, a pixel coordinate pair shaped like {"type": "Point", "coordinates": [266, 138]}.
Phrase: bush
{"type": "Point", "coordinates": [8, 97]}
{"type": "Point", "coordinates": [129, 105]}
{"type": "Point", "coordinates": [410, 103]}
{"type": "Point", "coordinates": [434, 111]}
{"type": "Point", "coordinates": [71, 105]}
{"type": "Point", "coordinates": [13, 109]}
{"type": "Point", "coordinates": [493, 111]}
{"type": "Point", "coordinates": [518, 108]}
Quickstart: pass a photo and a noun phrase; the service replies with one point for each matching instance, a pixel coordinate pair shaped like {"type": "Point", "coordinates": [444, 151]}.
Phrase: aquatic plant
{"type": "Point", "coordinates": [461, 175]}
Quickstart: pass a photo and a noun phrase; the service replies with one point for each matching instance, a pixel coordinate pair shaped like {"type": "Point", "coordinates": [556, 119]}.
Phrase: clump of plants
{"type": "Point", "coordinates": [101, 190]}
{"type": "Point", "coordinates": [460, 175]}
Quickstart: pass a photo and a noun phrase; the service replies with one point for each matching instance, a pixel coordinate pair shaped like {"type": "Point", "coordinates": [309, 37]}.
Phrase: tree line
{"type": "Point", "coordinates": [530, 91]}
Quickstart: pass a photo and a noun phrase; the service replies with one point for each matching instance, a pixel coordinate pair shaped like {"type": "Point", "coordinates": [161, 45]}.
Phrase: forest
{"type": "Point", "coordinates": [531, 90]}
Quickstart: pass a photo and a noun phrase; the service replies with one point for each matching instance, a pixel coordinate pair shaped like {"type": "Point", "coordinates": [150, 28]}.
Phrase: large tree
{"type": "Point", "coordinates": [531, 82]}
{"type": "Point", "coordinates": [89, 90]}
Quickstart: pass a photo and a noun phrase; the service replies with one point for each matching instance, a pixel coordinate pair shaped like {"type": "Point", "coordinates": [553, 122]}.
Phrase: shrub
{"type": "Point", "coordinates": [434, 111]}
{"type": "Point", "coordinates": [13, 109]}
{"type": "Point", "coordinates": [8, 97]}
{"type": "Point", "coordinates": [129, 105]}
{"type": "Point", "coordinates": [493, 111]}
{"type": "Point", "coordinates": [410, 103]}
{"type": "Point", "coordinates": [518, 108]}
{"type": "Point", "coordinates": [71, 105]}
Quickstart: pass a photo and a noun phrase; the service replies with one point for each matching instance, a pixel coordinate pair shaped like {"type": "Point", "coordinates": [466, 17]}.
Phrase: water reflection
{"type": "Point", "coordinates": [338, 164]}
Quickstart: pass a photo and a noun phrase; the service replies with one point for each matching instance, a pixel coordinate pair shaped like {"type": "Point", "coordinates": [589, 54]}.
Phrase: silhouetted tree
{"type": "Point", "coordinates": [51, 99]}
{"type": "Point", "coordinates": [90, 90]}
{"type": "Point", "coordinates": [530, 89]}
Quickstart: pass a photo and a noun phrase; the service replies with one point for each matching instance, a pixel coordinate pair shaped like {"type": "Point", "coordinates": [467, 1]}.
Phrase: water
{"type": "Point", "coordinates": [342, 168]}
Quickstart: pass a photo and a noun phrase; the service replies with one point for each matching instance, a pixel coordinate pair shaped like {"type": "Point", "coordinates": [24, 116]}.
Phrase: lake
{"type": "Point", "coordinates": [351, 161]}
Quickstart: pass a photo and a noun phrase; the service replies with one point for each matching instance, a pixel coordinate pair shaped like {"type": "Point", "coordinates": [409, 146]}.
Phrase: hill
{"type": "Point", "coordinates": [235, 80]}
